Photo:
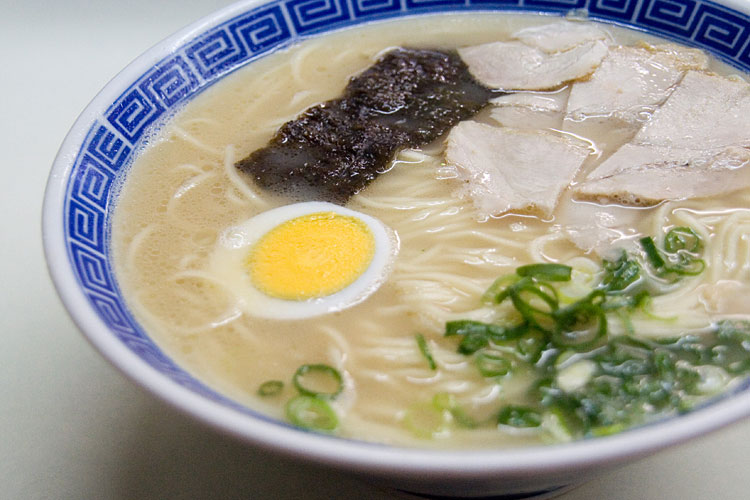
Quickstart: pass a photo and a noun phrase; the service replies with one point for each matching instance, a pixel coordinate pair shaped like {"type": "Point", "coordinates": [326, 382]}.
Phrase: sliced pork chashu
{"type": "Point", "coordinates": [540, 58]}
{"type": "Point", "coordinates": [661, 178]}
{"type": "Point", "coordinates": [560, 36]}
{"type": "Point", "coordinates": [530, 110]}
{"type": "Point", "coordinates": [632, 81]}
{"type": "Point", "coordinates": [696, 144]}
{"type": "Point", "coordinates": [511, 170]}
{"type": "Point", "coordinates": [517, 66]}
{"type": "Point", "coordinates": [611, 105]}
{"type": "Point", "coordinates": [706, 111]}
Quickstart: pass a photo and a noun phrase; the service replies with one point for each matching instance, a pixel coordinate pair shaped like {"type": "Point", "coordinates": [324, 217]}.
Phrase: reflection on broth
{"type": "Point", "coordinates": [462, 340]}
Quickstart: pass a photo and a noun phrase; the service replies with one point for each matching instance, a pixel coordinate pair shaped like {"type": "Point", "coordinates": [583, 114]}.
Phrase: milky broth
{"type": "Point", "coordinates": [183, 191]}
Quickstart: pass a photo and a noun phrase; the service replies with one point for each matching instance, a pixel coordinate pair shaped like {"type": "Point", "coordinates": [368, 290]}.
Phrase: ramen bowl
{"type": "Point", "coordinates": [82, 195]}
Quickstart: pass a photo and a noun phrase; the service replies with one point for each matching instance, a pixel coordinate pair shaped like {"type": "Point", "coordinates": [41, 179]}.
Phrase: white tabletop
{"type": "Point", "coordinates": [71, 427]}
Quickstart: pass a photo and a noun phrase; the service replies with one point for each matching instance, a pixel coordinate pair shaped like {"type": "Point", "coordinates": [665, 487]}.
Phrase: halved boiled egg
{"type": "Point", "coordinates": [304, 260]}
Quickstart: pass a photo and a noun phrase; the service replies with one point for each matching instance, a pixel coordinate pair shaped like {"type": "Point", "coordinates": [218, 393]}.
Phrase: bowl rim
{"type": "Point", "coordinates": [344, 453]}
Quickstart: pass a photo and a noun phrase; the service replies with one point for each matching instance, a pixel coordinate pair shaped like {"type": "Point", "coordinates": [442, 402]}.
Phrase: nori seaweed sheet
{"type": "Point", "coordinates": [408, 98]}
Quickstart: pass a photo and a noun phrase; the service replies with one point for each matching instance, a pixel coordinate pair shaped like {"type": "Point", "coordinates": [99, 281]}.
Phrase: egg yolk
{"type": "Point", "coordinates": [311, 256]}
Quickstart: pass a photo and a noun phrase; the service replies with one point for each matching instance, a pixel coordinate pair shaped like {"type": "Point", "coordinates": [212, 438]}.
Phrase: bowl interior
{"type": "Point", "coordinates": [95, 158]}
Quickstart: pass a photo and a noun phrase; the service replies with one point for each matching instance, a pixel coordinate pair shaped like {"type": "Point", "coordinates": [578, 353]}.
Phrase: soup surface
{"type": "Point", "coordinates": [414, 363]}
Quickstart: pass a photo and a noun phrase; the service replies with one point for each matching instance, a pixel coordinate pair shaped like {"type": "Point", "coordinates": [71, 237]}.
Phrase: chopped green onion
{"type": "Point", "coordinates": [310, 412]}
{"type": "Point", "coordinates": [462, 419]}
{"type": "Point", "coordinates": [477, 335]}
{"type": "Point", "coordinates": [681, 244]}
{"type": "Point", "coordinates": [425, 350]}
{"type": "Point", "coordinates": [492, 365]}
{"type": "Point", "coordinates": [512, 333]}
{"type": "Point", "coordinates": [557, 422]}
{"type": "Point", "coordinates": [524, 296]}
{"type": "Point", "coordinates": [627, 381]}
{"type": "Point", "coordinates": [682, 238]}
{"type": "Point", "coordinates": [581, 339]}
{"type": "Point", "coordinates": [607, 430]}
{"type": "Point", "coordinates": [620, 274]}
{"type": "Point", "coordinates": [583, 274]}
{"type": "Point", "coordinates": [582, 323]}
{"type": "Point", "coordinates": [472, 342]}
{"type": "Point", "coordinates": [425, 420]}
{"type": "Point", "coordinates": [467, 326]}
{"type": "Point", "coordinates": [318, 380]}
{"type": "Point", "coordinates": [444, 400]}
{"type": "Point", "coordinates": [546, 272]}
{"type": "Point", "coordinates": [519, 416]}
{"type": "Point", "coordinates": [738, 367]}
{"type": "Point", "coordinates": [652, 253]}
{"type": "Point", "coordinates": [447, 401]}
{"type": "Point", "coordinates": [270, 388]}
{"type": "Point", "coordinates": [689, 267]}
{"type": "Point", "coordinates": [664, 362]}
{"type": "Point", "coordinates": [735, 331]}
{"type": "Point", "coordinates": [531, 345]}
{"type": "Point", "coordinates": [498, 291]}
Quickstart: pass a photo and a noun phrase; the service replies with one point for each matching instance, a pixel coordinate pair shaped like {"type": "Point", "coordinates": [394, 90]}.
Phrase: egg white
{"type": "Point", "coordinates": [227, 264]}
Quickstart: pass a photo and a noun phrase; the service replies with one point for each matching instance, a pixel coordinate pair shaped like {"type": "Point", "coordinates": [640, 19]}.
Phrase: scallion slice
{"type": "Point", "coordinates": [546, 272]}
{"type": "Point", "coordinates": [447, 401]}
{"type": "Point", "coordinates": [318, 380]}
{"type": "Point", "coordinates": [467, 326]}
{"type": "Point", "coordinates": [620, 273]}
{"type": "Point", "coordinates": [681, 245]}
{"type": "Point", "coordinates": [531, 345]}
{"type": "Point", "coordinates": [688, 266]}
{"type": "Point", "coordinates": [682, 238]}
{"type": "Point", "coordinates": [270, 388]}
{"type": "Point", "coordinates": [580, 325]}
{"type": "Point", "coordinates": [652, 253]}
{"type": "Point", "coordinates": [312, 413]}
{"type": "Point", "coordinates": [426, 419]}
{"type": "Point", "coordinates": [492, 364]}
{"type": "Point", "coordinates": [425, 350]}
{"type": "Point", "coordinates": [535, 302]}
{"type": "Point", "coordinates": [498, 291]}
{"type": "Point", "coordinates": [476, 334]}
{"type": "Point", "coordinates": [519, 416]}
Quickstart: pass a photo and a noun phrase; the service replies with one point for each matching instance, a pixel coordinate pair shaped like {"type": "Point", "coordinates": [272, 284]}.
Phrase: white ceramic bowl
{"type": "Point", "coordinates": [81, 196]}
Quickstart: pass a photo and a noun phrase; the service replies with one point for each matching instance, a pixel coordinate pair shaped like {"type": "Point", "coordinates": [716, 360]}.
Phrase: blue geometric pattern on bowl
{"type": "Point", "coordinates": [111, 142]}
